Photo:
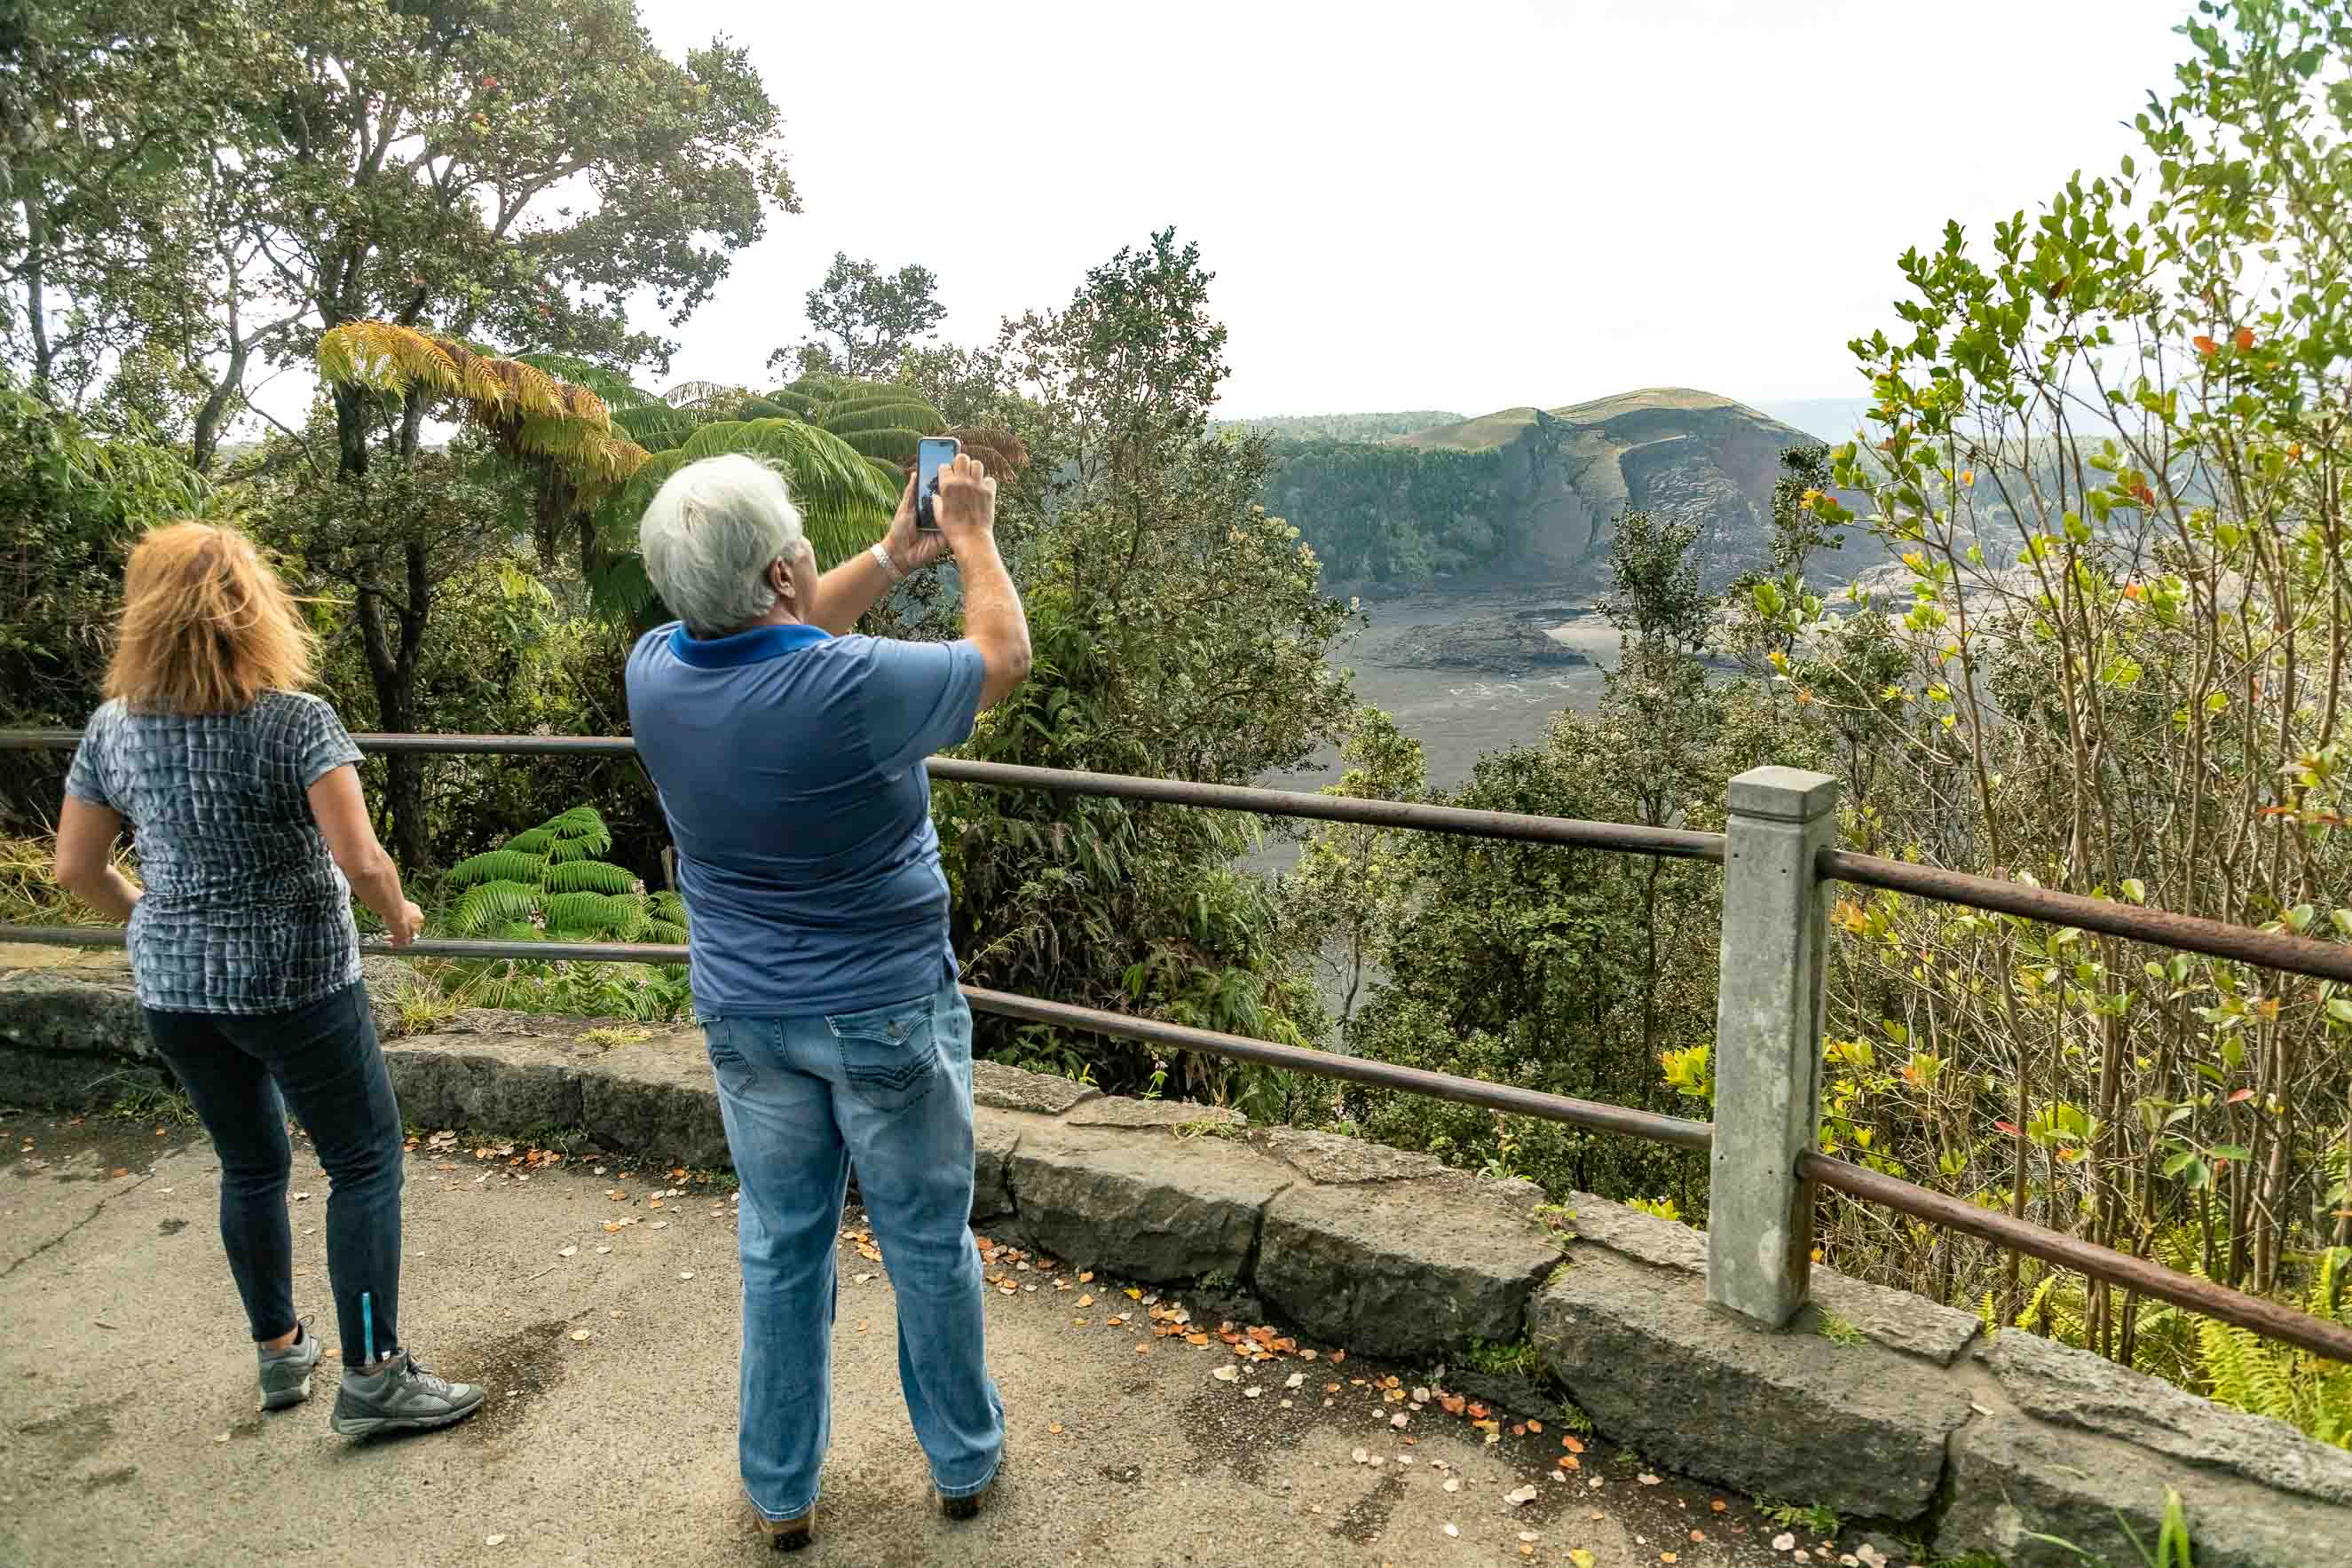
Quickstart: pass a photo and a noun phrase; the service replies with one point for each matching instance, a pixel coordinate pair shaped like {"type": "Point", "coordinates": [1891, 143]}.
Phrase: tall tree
{"type": "Point", "coordinates": [487, 168]}
{"type": "Point", "coordinates": [865, 318]}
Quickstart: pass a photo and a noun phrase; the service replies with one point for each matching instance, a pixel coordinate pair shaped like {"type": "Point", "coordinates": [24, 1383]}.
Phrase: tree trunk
{"type": "Point", "coordinates": [392, 670]}
{"type": "Point", "coordinates": [351, 433]}
{"type": "Point", "coordinates": [36, 303]}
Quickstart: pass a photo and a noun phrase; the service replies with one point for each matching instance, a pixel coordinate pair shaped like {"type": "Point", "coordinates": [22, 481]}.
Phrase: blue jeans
{"type": "Point", "coordinates": [325, 1059]}
{"type": "Point", "coordinates": [887, 1090]}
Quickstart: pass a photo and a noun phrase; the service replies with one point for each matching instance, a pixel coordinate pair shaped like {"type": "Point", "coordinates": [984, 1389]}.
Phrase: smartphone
{"type": "Point", "coordinates": [932, 454]}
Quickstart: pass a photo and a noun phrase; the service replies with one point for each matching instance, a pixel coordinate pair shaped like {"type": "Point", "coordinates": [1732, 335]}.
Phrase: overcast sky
{"type": "Point", "coordinates": [1468, 205]}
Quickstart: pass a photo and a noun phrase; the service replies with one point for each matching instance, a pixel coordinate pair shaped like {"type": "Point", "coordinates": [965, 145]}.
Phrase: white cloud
{"type": "Point", "coordinates": [1467, 205]}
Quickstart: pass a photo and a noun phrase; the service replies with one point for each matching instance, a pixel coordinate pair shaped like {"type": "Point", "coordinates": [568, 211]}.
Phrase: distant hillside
{"type": "Point", "coordinates": [1535, 493]}
{"type": "Point", "coordinates": [1339, 426]}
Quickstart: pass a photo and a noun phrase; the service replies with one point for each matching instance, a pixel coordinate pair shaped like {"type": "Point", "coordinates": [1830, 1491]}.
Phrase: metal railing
{"type": "Point", "coordinates": [1778, 864]}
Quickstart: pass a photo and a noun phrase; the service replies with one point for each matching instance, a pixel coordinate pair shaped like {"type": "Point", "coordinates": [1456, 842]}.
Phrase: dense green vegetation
{"type": "Point", "coordinates": [1338, 426]}
{"type": "Point", "coordinates": [2115, 659]}
{"type": "Point", "coordinates": [1393, 515]}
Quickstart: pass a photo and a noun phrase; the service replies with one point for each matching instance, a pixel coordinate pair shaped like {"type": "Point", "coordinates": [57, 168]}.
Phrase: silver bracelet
{"type": "Point", "coordinates": [881, 555]}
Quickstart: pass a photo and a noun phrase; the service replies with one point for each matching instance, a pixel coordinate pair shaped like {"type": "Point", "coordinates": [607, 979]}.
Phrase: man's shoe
{"type": "Point", "coordinates": [400, 1397]}
{"type": "Point", "coordinates": [285, 1373]}
{"type": "Point", "coordinates": [789, 1534]}
{"type": "Point", "coordinates": [965, 1507]}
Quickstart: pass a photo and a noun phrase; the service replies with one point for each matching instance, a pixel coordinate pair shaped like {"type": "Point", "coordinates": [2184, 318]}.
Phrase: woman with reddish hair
{"type": "Point", "coordinates": [253, 836]}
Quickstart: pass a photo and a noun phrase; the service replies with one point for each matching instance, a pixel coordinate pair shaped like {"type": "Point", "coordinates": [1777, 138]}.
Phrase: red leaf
{"type": "Point", "coordinates": [2245, 338]}
{"type": "Point", "coordinates": [2206, 346]}
{"type": "Point", "coordinates": [2009, 1127]}
{"type": "Point", "coordinates": [2237, 1095]}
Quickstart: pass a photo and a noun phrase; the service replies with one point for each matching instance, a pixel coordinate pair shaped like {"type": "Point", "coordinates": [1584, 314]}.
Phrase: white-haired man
{"type": "Point", "coordinates": [789, 755]}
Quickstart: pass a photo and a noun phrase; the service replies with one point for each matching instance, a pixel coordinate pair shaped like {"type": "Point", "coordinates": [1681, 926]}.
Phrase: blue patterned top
{"type": "Point", "coordinates": [244, 911]}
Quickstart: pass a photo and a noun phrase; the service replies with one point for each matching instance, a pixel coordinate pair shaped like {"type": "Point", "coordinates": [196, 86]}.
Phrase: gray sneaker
{"type": "Point", "coordinates": [285, 1373]}
{"type": "Point", "coordinates": [400, 1397]}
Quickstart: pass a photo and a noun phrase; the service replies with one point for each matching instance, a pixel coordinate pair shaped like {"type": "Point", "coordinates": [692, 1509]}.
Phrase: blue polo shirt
{"type": "Point", "coordinates": [790, 763]}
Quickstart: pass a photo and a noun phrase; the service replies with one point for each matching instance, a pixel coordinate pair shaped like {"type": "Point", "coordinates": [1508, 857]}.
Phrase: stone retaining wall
{"type": "Point", "coordinates": [1909, 1414]}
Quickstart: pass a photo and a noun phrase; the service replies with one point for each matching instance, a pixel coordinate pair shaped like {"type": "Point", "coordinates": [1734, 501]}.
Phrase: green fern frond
{"type": "Point", "coordinates": [581, 824]}
{"type": "Point", "coordinates": [2331, 1286]}
{"type": "Point", "coordinates": [920, 418]}
{"type": "Point", "coordinates": [894, 446]}
{"type": "Point", "coordinates": [531, 842]}
{"type": "Point", "coordinates": [657, 426]}
{"type": "Point", "coordinates": [504, 865]}
{"type": "Point", "coordinates": [493, 904]}
{"type": "Point", "coordinates": [616, 391]}
{"type": "Point", "coordinates": [589, 876]}
{"type": "Point", "coordinates": [669, 906]}
{"type": "Point", "coordinates": [594, 914]}
{"type": "Point", "coordinates": [664, 932]}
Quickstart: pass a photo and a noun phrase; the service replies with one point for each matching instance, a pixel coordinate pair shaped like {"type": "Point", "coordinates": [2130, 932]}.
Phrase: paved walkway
{"type": "Point", "coordinates": [127, 1433]}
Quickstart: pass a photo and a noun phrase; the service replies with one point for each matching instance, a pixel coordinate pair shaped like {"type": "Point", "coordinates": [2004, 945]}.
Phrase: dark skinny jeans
{"type": "Point", "coordinates": [325, 1057]}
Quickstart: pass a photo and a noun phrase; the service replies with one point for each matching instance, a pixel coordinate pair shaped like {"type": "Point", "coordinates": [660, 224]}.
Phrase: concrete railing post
{"type": "Point", "coordinates": [1767, 1041]}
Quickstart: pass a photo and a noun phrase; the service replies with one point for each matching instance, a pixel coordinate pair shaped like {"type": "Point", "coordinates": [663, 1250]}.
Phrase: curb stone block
{"type": "Point", "coordinates": [1403, 1268]}
{"type": "Point", "coordinates": [1140, 1204]}
{"type": "Point", "coordinates": [1003, 1088]}
{"type": "Point", "coordinates": [1896, 1319]}
{"type": "Point", "coordinates": [2014, 1478]}
{"type": "Point", "coordinates": [488, 1085]}
{"type": "Point", "coordinates": [74, 1013]}
{"type": "Point", "coordinates": [2069, 1387]}
{"type": "Point", "coordinates": [1856, 1427]}
{"type": "Point", "coordinates": [994, 1135]}
{"type": "Point", "coordinates": [1118, 1110]}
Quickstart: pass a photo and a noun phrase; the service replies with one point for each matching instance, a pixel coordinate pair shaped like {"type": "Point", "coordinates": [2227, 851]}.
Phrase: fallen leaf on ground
{"type": "Point", "coordinates": [1572, 1445]}
{"type": "Point", "coordinates": [1362, 1457]}
{"type": "Point", "coordinates": [567, 1251]}
{"type": "Point", "coordinates": [1535, 1426]}
{"type": "Point", "coordinates": [1055, 1428]}
{"type": "Point", "coordinates": [1399, 1419]}
{"type": "Point", "coordinates": [220, 1436]}
{"type": "Point", "coordinates": [603, 1249]}
{"type": "Point", "coordinates": [1784, 1542]}
{"type": "Point", "coordinates": [685, 1273]}
{"type": "Point", "coordinates": [1667, 1557]}
{"type": "Point", "coordinates": [1452, 1530]}
{"type": "Point", "coordinates": [1520, 1498]}
{"type": "Point", "coordinates": [1253, 1392]}
{"type": "Point", "coordinates": [1581, 1558]}
{"type": "Point", "coordinates": [1452, 1484]}
{"type": "Point", "coordinates": [1086, 1300]}
{"type": "Point", "coordinates": [859, 1279]}
{"type": "Point", "coordinates": [1698, 1535]}
{"type": "Point", "coordinates": [494, 1541]}
{"type": "Point", "coordinates": [1228, 1373]}
{"type": "Point", "coordinates": [1718, 1505]}
{"type": "Point", "coordinates": [580, 1336]}
{"type": "Point", "coordinates": [1647, 1479]}
{"type": "Point", "coordinates": [301, 1197]}
{"type": "Point", "coordinates": [1294, 1380]}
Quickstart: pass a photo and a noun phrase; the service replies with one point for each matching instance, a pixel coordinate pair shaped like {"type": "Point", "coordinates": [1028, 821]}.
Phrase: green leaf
{"type": "Point", "coordinates": [2134, 890]}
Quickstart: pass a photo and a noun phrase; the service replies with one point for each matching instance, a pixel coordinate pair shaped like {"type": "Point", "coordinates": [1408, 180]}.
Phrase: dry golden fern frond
{"type": "Point", "coordinates": [385, 357]}
{"type": "Point", "coordinates": [586, 406]}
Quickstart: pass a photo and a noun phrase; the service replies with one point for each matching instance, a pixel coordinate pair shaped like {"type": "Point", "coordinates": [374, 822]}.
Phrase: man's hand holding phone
{"type": "Point", "coordinates": [966, 506]}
